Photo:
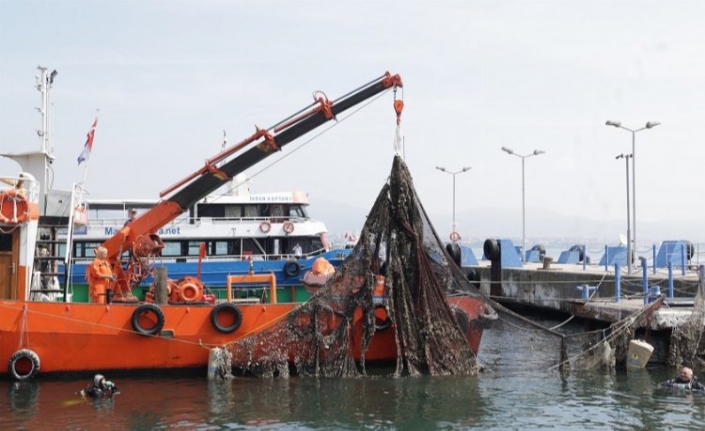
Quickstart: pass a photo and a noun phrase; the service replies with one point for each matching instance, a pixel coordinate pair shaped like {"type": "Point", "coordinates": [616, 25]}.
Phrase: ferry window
{"type": "Point", "coordinates": [296, 211]}
{"type": "Point", "coordinates": [277, 211]}
{"type": "Point", "coordinates": [316, 244]}
{"type": "Point", "coordinates": [234, 247]}
{"type": "Point", "coordinates": [193, 248]}
{"type": "Point", "coordinates": [205, 210]}
{"type": "Point", "coordinates": [251, 211]}
{"type": "Point", "coordinates": [250, 246]}
{"type": "Point", "coordinates": [233, 211]}
{"type": "Point", "coordinates": [86, 249]}
{"type": "Point", "coordinates": [171, 248]}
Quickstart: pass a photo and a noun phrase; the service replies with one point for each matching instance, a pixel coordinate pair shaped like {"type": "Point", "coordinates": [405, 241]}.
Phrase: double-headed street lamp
{"type": "Point", "coordinates": [454, 235]}
{"type": "Point", "coordinates": [523, 199]}
{"type": "Point", "coordinates": [626, 158]}
{"type": "Point", "coordinates": [649, 125]}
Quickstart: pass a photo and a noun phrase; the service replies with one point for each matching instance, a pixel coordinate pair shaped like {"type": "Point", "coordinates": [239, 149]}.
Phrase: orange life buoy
{"type": "Point", "coordinates": [13, 207]}
{"type": "Point", "coordinates": [288, 227]}
{"type": "Point", "coordinates": [265, 226]}
{"type": "Point", "coordinates": [454, 236]}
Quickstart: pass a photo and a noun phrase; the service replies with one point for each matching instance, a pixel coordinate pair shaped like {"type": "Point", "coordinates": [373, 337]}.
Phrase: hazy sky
{"type": "Point", "coordinates": [170, 76]}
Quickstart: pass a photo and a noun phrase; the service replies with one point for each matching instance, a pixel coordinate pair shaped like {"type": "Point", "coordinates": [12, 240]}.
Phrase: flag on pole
{"type": "Point", "coordinates": [89, 143]}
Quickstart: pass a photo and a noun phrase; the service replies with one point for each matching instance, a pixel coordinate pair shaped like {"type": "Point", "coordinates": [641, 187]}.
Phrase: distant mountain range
{"type": "Point", "coordinates": [541, 226]}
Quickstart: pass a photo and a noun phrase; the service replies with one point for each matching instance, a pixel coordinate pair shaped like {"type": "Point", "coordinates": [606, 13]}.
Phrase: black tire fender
{"type": "Point", "coordinates": [454, 251]}
{"type": "Point", "coordinates": [143, 309]}
{"type": "Point", "coordinates": [24, 364]}
{"type": "Point", "coordinates": [491, 249]}
{"type": "Point", "coordinates": [233, 310]}
{"type": "Point", "coordinates": [292, 268]}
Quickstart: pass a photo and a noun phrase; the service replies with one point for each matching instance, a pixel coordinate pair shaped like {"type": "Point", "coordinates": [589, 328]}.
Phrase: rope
{"type": "Point", "coordinates": [621, 327]}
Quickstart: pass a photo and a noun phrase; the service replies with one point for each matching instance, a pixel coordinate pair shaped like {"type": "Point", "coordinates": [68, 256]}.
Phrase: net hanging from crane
{"type": "Point", "coordinates": [399, 250]}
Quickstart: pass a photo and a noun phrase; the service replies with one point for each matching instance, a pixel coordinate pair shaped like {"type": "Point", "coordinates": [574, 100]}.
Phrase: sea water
{"type": "Point", "coordinates": [512, 396]}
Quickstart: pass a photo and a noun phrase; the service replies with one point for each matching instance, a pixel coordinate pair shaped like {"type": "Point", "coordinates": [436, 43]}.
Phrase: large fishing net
{"type": "Point", "coordinates": [687, 344]}
{"type": "Point", "coordinates": [520, 342]}
{"type": "Point", "coordinates": [391, 295]}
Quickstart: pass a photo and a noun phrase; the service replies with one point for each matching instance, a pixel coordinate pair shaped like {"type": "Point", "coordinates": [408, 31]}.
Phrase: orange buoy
{"type": "Point", "coordinates": [13, 207]}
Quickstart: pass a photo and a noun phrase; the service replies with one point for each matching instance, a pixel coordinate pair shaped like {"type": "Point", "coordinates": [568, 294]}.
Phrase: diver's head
{"type": "Point", "coordinates": [98, 380]}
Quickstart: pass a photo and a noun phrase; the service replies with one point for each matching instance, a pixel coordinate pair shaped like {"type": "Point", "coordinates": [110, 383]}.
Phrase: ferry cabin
{"type": "Point", "coordinates": [252, 227]}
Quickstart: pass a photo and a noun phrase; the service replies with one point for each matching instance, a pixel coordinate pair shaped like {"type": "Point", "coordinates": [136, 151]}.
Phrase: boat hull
{"type": "Point", "coordinates": [472, 314]}
{"type": "Point", "coordinates": [83, 338]}
{"type": "Point", "coordinates": [73, 338]}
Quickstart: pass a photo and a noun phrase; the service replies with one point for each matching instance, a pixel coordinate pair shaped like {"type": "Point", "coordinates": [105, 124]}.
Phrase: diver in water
{"type": "Point", "coordinates": [100, 388]}
{"type": "Point", "coordinates": [685, 381]}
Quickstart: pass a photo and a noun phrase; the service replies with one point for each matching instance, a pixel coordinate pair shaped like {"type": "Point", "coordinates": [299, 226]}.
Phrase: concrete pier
{"type": "Point", "coordinates": [589, 292]}
{"type": "Point", "coordinates": [563, 287]}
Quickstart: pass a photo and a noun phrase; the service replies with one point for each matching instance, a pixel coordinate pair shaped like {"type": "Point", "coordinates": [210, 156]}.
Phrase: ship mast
{"type": "Point", "coordinates": [45, 81]}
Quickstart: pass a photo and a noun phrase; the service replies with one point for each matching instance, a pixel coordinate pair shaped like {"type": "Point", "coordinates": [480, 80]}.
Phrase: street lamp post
{"type": "Point", "coordinates": [626, 158]}
{"type": "Point", "coordinates": [648, 125]}
{"type": "Point", "coordinates": [454, 236]}
{"type": "Point", "coordinates": [523, 197]}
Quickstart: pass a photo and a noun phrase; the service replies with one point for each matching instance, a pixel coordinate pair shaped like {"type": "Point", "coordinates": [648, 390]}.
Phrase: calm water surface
{"type": "Point", "coordinates": [511, 396]}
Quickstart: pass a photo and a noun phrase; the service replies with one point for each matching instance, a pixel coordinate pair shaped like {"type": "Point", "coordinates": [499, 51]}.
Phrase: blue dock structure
{"type": "Point", "coordinates": [602, 293]}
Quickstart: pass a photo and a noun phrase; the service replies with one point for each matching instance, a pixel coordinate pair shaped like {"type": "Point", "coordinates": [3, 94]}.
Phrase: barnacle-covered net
{"type": "Point", "coordinates": [334, 333]}
{"type": "Point", "coordinates": [687, 344]}
{"type": "Point", "coordinates": [518, 344]}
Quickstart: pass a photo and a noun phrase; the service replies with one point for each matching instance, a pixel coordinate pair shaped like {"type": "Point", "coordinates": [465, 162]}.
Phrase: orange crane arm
{"type": "Point", "coordinates": [179, 197]}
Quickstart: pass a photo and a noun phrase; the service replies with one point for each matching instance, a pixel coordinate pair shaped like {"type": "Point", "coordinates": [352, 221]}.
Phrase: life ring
{"type": "Point", "coordinates": [453, 250]}
{"type": "Point", "coordinates": [265, 227]}
{"type": "Point", "coordinates": [288, 227]}
{"type": "Point", "coordinates": [142, 313]}
{"type": "Point", "coordinates": [454, 236]}
{"type": "Point", "coordinates": [292, 268]}
{"type": "Point", "coordinates": [24, 364]}
{"type": "Point", "coordinates": [462, 318]}
{"type": "Point", "coordinates": [235, 315]}
{"type": "Point", "coordinates": [16, 213]}
{"type": "Point", "coordinates": [382, 319]}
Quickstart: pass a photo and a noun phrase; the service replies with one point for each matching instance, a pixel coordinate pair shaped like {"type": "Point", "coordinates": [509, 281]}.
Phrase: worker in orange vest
{"type": "Point", "coordinates": [100, 276]}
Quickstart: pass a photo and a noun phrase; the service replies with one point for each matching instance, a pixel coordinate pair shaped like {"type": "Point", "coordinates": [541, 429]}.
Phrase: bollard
{"type": "Point", "coordinates": [586, 290]}
{"type": "Point", "coordinates": [645, 280]}
{"type": "Point", "coordinates": [617, 283]}
{"type": "Point", "coordinates": [670, 280]}
{"type": "Point", "coordinates": [160, 282]}
{"type": "Point", "coordinates": [547, 262]}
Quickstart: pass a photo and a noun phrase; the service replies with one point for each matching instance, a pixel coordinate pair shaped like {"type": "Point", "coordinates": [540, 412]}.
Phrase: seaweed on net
{"type": "Point", "coordinates": [399, 243]}
{"type": "Point", "coordinates": [687, 344]}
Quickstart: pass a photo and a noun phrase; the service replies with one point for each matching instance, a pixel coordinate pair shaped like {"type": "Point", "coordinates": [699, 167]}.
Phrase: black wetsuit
{"type": "Point", "coordinates": [100, 392]}
{"type": "Point", "coordinates": [677, 382]}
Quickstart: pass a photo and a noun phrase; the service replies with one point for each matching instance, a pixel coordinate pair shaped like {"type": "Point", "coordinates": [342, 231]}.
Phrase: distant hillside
{"type": "Point", "coordinates": [498, 223]}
